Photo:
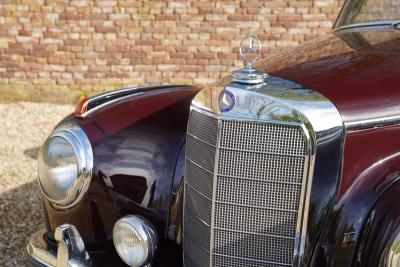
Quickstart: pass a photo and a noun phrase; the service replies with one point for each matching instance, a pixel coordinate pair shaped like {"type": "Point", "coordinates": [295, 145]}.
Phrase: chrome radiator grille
{"type": "Point", "coordinates": [243, 189]}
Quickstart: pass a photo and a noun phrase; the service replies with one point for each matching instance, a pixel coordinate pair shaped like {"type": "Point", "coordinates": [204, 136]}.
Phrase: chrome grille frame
{"type": "Point", "coordinates": [304, 185]}
{"type": "Point", "coordinates": [322, 128]}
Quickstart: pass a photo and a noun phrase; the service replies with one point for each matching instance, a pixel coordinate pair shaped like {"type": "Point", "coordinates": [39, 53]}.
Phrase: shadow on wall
{"type": "Point", "coordinates": [21, 214]}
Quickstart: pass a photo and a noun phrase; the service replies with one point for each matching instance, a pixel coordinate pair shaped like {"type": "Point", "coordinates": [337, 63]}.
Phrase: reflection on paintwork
{"type": "Point", "coordinates": [275, 100]}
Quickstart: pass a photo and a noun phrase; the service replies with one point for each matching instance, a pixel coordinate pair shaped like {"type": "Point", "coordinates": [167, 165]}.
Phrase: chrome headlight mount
{"type": "Point", "coordinates": [65, 164]}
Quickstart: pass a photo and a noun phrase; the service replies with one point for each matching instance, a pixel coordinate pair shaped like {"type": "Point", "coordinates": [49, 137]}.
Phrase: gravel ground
{"type": "Point", "coordinates": [23, 128]}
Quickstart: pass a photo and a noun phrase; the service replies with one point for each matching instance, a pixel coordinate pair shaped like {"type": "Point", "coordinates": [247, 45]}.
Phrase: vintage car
{"type": "Point", "coordinates": [295, 162]}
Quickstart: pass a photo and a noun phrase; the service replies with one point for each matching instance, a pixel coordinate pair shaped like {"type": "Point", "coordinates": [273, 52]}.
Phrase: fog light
{"type": "Point", "coordinates": [135, 240]}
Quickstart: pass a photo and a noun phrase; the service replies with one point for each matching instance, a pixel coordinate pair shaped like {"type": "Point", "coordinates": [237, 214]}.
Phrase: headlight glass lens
{"type": "Point", "coordinates": [58, 168]}
{"type": "Point", "coordinates": [134, 240]}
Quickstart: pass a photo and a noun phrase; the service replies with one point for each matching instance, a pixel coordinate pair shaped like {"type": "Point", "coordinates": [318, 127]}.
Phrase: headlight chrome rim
{"type": "Point", "coordinates": [144, 230]}
{"type": "Point", "coordinates": [82, 148]}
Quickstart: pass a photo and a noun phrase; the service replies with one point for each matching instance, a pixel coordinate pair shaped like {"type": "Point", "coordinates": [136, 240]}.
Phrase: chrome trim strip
{"type": "Point", "coordinates": [252, 206]}
{"type": "Point", "coordinates": [277, 101]}
{"type": "Point", "coordinates": [198, 165]}
{"type": "Point", "coordinates": [196, 242]}
{"type": "Point", "coordinates": [260, 180]}
{"type": "Point", "coordinates": [243, 118]}
{"type": "Point", "coordinates": [253, 233]}
{"type": "Point", "coordinates": [197, 191]}
{"type": "Point", "coordinates": [215, 178]}
{"type": "Point", "coordinates": [301, 228]}
{"type": "Point", "coordinates": [201, 220]}
{"type": "Point", "coordinates": [264, 153]}
{"type": "Point", "coordinates": [371, 123]}
{"type": "Point", "coordinates": [370, 24]}
{"type": "Point", "coordinates": [201, 140]}
{"type": "Point", "coordinates": [252, 260]}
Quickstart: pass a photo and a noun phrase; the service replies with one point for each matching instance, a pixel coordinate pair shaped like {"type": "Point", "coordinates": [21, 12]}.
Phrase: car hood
{"type": "Point", "coordinates": [359, 71]}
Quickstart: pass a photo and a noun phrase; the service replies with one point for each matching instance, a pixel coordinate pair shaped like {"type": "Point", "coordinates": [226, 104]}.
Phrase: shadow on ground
{"type": "Point", "coordinates": [21, 215]}
{"type": "Point", "coordinates": [32, 152]}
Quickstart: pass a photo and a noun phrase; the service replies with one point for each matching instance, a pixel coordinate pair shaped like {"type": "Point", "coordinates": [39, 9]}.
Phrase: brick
{"type": "Point", "coordinates": [147, 42]}
{"type": "Point", "coordinates": [77, 68]}
{"type": "Point", "coordinates": [28, 65]}
{"type": "Point", "coordinates": [81, 44]}
{"type": "Point", "coordinates": [215, 17]}
{"type": "Point", "coordinates": [167, 67]}
{"type": "Point", "coordinates": [3, 43]}
{"type": "Point", "coordinates": [240, 17]}
{"type": "Point", "coordinates": [314, 17]}
{"type": "Point", "coordinates": [204, 55]}
{"type": "Point", "coordinates": [290, 17]}
{"type": "Point", "coordinates": [183, 55]}
{"type": "Point", "coordinates": [105, 29]}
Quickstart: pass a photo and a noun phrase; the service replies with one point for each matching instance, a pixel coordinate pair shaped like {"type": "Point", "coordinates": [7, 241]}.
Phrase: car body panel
{"type": "Point", "coordinates": [136, 143]}
{"type": "Point", "coordinates": [371, 166]}
{"type": "Point", "coordinates": [358, 71]}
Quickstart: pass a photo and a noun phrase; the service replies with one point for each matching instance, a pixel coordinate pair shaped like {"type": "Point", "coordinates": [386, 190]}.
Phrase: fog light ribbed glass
{"type": "Point", "coordinates": [135, 240]}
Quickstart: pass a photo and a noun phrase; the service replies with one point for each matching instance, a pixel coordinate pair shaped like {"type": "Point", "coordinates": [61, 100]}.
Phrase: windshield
{"type": "Point", "coordinates": [362, 11]}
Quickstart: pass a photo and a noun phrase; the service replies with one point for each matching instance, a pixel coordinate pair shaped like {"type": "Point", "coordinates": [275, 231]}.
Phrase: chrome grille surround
{"type": "Point", "coordinates": [248, 205]}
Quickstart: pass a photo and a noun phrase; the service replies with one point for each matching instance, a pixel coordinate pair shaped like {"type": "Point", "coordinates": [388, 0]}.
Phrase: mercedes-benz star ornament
{"type": "Point", "coordinates": [250, 49]}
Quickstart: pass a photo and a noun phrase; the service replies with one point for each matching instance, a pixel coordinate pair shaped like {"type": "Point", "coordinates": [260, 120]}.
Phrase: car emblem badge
{"type": "Point", "coordinates": [227, 101]}
{"type": "Point", "coordinates": [250, 49]}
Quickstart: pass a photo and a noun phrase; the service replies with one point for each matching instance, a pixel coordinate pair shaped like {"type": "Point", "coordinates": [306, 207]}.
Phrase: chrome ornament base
{"type": "Point", "coordinates": [249, 76]}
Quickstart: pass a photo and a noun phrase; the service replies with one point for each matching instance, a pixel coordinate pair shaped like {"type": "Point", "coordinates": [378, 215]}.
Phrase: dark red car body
{"type": "Point", "coordinates": [358, 71]}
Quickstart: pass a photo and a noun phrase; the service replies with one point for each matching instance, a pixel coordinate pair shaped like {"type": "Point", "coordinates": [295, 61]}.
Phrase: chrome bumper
{"type": "Point", "coordinates": [70, 252]}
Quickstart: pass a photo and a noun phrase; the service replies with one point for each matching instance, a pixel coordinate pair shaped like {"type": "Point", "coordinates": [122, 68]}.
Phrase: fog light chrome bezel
{"type": "Point", "coordinates": [144, 230]}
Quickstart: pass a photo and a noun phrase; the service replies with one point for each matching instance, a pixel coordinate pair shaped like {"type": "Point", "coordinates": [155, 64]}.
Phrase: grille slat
{"type": "Point", "coordinates": [201, 153]}
{"type": "Point", "coordinates": [254, 247]}
{"type": "Point", "coordinates": [255, 220]}
{"type": "Point", "coordinates": [253, 209]}
{"type": "Point", "coordinates": [204, 184]}
{"type": "Point", "coordinates": [220, 260]}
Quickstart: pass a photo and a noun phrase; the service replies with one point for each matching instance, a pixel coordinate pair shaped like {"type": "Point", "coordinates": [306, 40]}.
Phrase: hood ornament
{"type": "Point", "coordinates": [250, 49]}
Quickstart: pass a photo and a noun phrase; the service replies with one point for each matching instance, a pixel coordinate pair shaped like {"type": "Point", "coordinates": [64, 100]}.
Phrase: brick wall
{"type": "Point", "coordinates": [55, 48]}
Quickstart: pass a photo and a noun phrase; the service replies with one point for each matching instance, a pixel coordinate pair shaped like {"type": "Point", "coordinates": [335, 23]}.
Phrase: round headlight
{"type": "Point", "coordinates": [135, 240]}
{"type": "Point", "coordinates": [64, 166]}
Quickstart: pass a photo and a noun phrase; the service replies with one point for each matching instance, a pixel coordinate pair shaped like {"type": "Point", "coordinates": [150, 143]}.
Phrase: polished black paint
{"type": "Point", "coordinates": [324, 189]}
{"type": "Point", "coordinates": [134, 166]}
{"type": "Point", "coordinates": [372, 156]}
{"type": "Point", "coordinates": [175, 226]}
{"type": "Point", "coordinates": [381, 228]}
{"type": "Point", "coordinates": [105, 98]}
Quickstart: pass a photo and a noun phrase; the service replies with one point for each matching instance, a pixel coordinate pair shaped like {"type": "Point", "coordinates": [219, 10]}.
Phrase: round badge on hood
{"type": "Point", "coordinates": [226, 101]}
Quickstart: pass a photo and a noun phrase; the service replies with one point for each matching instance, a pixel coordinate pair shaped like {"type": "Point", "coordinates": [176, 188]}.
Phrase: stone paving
{"type": "Point", "coordinates": [23, 128]}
